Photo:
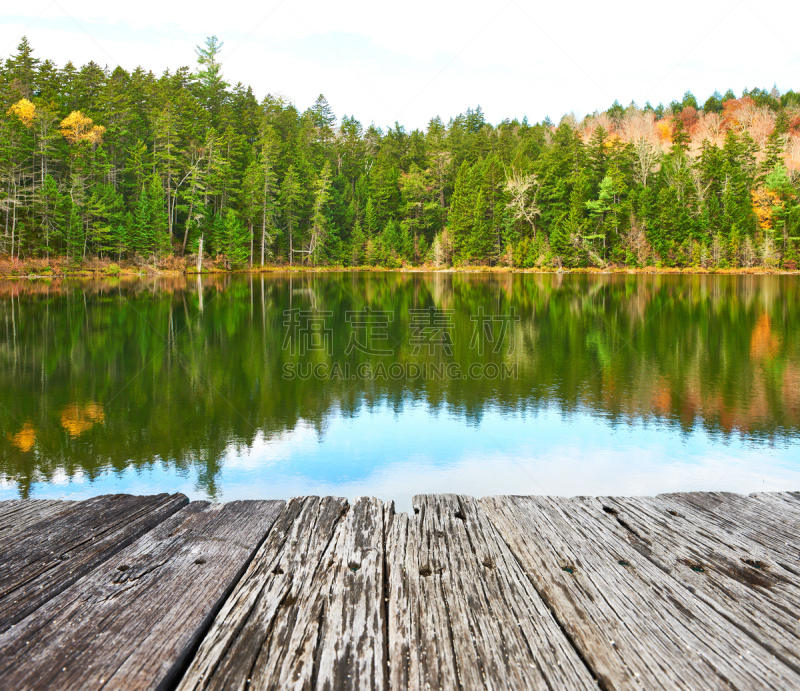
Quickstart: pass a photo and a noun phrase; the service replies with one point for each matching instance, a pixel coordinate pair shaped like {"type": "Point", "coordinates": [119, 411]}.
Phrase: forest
{"type": "Point", "coordinates": [182, 168]}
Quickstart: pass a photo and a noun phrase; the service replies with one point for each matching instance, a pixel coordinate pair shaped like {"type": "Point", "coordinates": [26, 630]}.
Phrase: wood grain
{"type": "Point", "coordinates": [309, 613]}
{"type": "Point", "coordinates": [634, 624]}
{"type": "Point", "coordinates": [698, 590]}
{"type": "Point", "coordinates": [18, 514]}
{"type": "Point", "coordinates": [47, 556]}
{"type": "Point", "coordinates": [133, 622]}
{"type": "Point", "coordinates": [462, 613]}
{"type": "Point", "coordinates": [734, 575]}
{"type": "Point", "coordinates": [770, 520]}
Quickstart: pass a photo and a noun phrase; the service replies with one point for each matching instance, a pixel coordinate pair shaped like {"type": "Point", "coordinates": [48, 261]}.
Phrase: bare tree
{"type": "Point", "coordinates": [637, 241]}
{"type": "Point", "coordinates": [748, 252]}
{"type": "Point", "coordinates": [524, 190]}
{"type": "Point", "coordinates": [792, 158]}
{"type": "Point", "coordinates": [437, 251]}
{"type": "Point", "coordinates": [318, 229]}
{"type": "Point", "coordinates": [716, 250]}
{"type": "Point", "coordinates": [646, 161]}
{"type": "Point", "coordinates": [769, 253]}
{"type": "Point", "coordinates": [700, 188]}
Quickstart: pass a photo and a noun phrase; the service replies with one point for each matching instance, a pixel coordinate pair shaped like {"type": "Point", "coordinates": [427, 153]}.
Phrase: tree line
{"type": "Point", "coordinates": [130, 166]}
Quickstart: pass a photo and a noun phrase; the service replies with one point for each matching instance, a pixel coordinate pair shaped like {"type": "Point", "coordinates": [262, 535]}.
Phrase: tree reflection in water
{"type": "Point", "coordinates": [122, 373]}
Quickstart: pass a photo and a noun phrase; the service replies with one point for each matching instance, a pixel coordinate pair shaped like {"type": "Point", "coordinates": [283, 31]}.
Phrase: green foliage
{"type": "Point", "coordinates": [162, 161]}
{"type": "Point", "coordinates": [233, 240]}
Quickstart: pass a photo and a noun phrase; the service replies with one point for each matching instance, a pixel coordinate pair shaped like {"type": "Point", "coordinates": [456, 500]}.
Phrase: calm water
{"type": "Point", "coordinates": [397, 384]}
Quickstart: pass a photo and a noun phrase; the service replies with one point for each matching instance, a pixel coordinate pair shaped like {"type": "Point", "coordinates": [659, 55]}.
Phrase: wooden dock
{"type": "Point", "coordinates": [694, 591]}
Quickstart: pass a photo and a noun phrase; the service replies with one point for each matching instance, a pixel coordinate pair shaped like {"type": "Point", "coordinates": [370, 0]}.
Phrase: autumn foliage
{"type": "Point", "coordinates": [76, 127]}
{"type": "Point", "coordinates": [76, 418]}
{"type": "Point", "coordinates": [24, 110]}
{"type": "Point", "coordinates": [25, 438]}
{"type": "Point", "coordinates": [764, 203]}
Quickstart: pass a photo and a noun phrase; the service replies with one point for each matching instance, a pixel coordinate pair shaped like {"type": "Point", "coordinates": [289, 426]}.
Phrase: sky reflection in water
{"type": "Point", "coordinates": [625, 385]}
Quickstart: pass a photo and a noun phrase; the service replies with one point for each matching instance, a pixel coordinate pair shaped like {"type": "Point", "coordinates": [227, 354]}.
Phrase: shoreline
{"type": "Point", "coordinates": [126, 272]}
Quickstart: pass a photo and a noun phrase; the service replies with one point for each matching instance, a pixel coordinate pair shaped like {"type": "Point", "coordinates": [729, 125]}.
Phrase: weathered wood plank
{"type": "Point", "coordinates": [462, 613]}
{"type": "Point", "coordinates": [758, 518]}
{"type": "Point", "coordinates": [790, 500]}
{"type": "Point", "coordinates": [133, 622]}
{"type": "Point", "coordinates": [734, 575]}
{"type": "Point", "coordinates": [18, 514]}
{"type": "Point", "coordinates": [783, 509]}
{"type": "Point", "coordinates": [352, 649]}
{"type": "Point", "coordinates": [49, 555]}
{"type": "Point", "coordinates": [633, 623]}
{"type": "Point", "coordinates": [309, 611]}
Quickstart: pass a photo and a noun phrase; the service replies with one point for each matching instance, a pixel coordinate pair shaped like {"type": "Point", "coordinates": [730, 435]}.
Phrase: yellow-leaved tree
{"type": "Point", "coordinates": [24, 110]}
{"type": "Point", "coordinates": [77, 127]}
{"type": "Point", "coordinates": [764, 203]}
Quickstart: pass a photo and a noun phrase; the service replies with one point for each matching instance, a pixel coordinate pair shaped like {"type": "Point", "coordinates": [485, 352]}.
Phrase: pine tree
{"type": "Point", "coordinates": [234, 241]}
{"type": "Point", "coordinates": [49, 204]}
{"type": "Point", "coordinates": [105, 215]}
{"type": "Point", "coordinates": [371, 219]}
{"type": "Point", "coordinates": [323, 119]}
{"type": "Point", "coordinates": [211, 86]}
{"type": "Point", "coordinates": [357, 246]}
{"type": "Point", "coordinates": [166, 155]}
{"type": "Point", "coordinates": [461, 217]}
{"type": "Point", "coordinates": [269, 190]}
{"type": "Point", "coordinates": [773, 156]}
{"type": "Point", "coordinates": [193, 199]}
{"type": "Point", "coordinates": [561, 240]}
{"type": "Point", "coordinates": [318, 231]}
{"type": "Point", "coordinates": [142, 227]}
{"type": "Point", "coordinates": [291, 201]}
{"type": "Point", "coordinates": [596, 154]}
{"type": "Point", "coordinates": [21, 69]}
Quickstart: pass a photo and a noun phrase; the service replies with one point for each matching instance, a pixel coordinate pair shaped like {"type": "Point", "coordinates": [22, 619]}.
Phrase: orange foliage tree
{"type": "Point", "coordinates": [664, 129]}
{"type": "Point", "coordinates": [764, 201]}
{"type": "Point", "coordinates": [689, 118]}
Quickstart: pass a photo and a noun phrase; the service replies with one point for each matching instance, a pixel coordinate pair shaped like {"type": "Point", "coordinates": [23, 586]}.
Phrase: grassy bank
{"type": "Point", "coordinates": [170, 266]}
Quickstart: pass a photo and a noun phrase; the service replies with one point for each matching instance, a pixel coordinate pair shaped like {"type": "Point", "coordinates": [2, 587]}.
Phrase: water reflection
{"type": "Point", "coordinates": [182, 382]}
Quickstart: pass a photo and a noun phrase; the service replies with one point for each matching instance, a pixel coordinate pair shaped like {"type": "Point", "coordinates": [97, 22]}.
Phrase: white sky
{"type": "Point", "coordinates": [408, 62]}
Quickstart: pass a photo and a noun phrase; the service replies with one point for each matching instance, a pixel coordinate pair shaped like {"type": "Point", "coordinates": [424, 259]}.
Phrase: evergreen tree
{"type": "Point", "coordinates": [21, 70]}
{"type": "Point", "coordinates": [291, 200]}
{"type": "Point", "coordinates": [773, 156]}
{"type": "Point", "coordinates": [461, 218]}
{"type": "Point", "coordinates": [234, 240]}
{"type": "Point", "coordinates": [122, 164]}
{"type": "Point", "coordinates": [371, 219]}
{"type": "Point", "coordinates": [319, 226]}
{"type": "Point", "coordinates": [211, 87]}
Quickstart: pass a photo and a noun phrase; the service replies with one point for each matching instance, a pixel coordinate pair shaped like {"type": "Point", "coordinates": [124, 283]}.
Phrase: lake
{"type": "Point", "coordinates": [394, 384]}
